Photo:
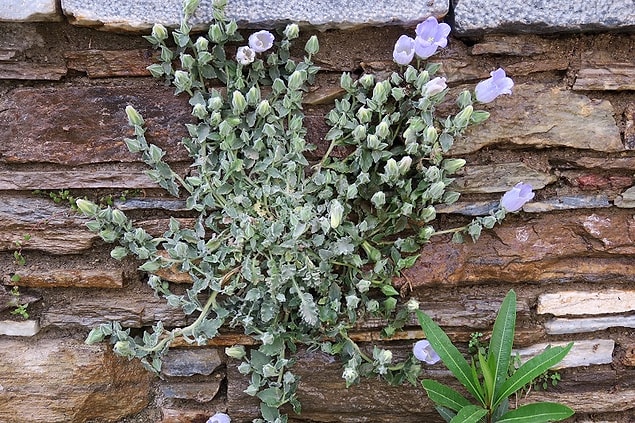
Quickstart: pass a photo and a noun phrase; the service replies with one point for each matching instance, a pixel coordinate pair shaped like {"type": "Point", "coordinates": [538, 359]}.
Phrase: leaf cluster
{"type": "Point", "coordinates": [487, 379]}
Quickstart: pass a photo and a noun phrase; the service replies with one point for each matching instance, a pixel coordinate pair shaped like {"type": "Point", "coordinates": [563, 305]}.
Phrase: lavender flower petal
{"type": "Point", "coordinates": [219, 418]}
{"type": "Point", "coordinates": [261, 41]}
{"type": "Point", "coordinates": [423, 351]}
{"type": "Point", "coordinates": [404, 50]}
{"type": "Point", "coordinates": [514, 199]}
{"type": "Point", "coordinates": [498, 83]}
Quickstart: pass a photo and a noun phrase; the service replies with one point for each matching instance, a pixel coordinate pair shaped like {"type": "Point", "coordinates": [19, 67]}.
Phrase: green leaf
{"type": "Point", "coordinates": [443, 395]}
{"type": "Point", "coordinates": [469, 414]}
{"type": "Point", "coordinates": [538, 412]}
{"type": "Point", "coordinates": [532, 369]}
{"type": "Point", "coordinates": [450, 355]}
{"type": "Point", "coordinates": [500, 346]}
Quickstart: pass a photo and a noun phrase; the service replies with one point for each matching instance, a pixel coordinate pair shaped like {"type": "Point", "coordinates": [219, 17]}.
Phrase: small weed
{"type": "Point", "coordinates": [20, 309]}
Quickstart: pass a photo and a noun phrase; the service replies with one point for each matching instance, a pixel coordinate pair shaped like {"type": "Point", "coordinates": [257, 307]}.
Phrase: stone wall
{"type": "Point", "coordinates": [568, 129]}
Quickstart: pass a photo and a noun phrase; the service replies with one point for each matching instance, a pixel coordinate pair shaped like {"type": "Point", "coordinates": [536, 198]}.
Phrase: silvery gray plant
{"type": "Point", "coordinates": [291, 252]}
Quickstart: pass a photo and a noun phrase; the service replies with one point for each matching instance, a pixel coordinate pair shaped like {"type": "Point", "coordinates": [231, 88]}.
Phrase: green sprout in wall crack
{"type": "Point", "coordinates": [487, 378]}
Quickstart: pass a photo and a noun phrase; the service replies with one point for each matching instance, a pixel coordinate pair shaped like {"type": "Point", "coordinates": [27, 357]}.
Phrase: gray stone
{"type": "Point", "coordinates": [578, 303]}
{"type": "Point", "coordinates": [568, 203]}
{"type": "Point", "coordinates": [28, 11]}
{"type": "Point", "coordinates": [542, 16]}
{"type": "Point", "coordinates": [141, 15]}
{"type": "Point", "coordinates": [541, 116]}
{"type": "Point", "coordinates": [189, 362]}
{"type": "Point", "coordinates": [626, 200]}
{"type": "Point", "coordinates": [197, 391]}
{"type": "Point", "coordinates": [465, 208]}
{"type": "Point", "coordinates": [24, 328]}
{"type": "Point", "coordinates": [499, 178]}
{"type": "Point", "coordinates": [583, 353]}
{"type": "Point", "coordinates": [562, 326]}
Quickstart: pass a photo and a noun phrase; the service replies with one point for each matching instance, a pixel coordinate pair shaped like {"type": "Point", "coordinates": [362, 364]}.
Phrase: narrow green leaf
{"type": "Point", "coordinates": [538, 412]}
{"type": "Point", "coordinates": [443, 395]}
{"type": "Point", "coordinates": [450, 355]}
{"type": "Point", "coordinates": [532, 369]}
{"type": "Point", "coordinates": [500, 346]}
{"type": "Point", "coordinates": [469, 414]}
{"type": "Point", "coordinates": [488, 378]}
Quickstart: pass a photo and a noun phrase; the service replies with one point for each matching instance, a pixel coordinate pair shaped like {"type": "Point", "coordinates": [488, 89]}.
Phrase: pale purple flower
{"type": "Point", "coordinates": [430, 36]}
{"type": "Point", "coordinates": [492, 87]}
{"type": "Point", "coordinates": [404, 50]}
{"type": "Point", "coordinates": [423, 351]}
{"type": "Point", "coordinates": [219, 418]}
{"type": "Point", "coordinates": [434, 86]}
{"type": "Point", "coordinates": [245, 55]}
{"type": "Point", "coordinates": [515, 198]}
{"type": "Point", "coordinates": [261, 41]}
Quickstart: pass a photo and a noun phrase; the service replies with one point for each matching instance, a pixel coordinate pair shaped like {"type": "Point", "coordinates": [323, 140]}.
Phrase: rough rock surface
{"type": "Point", "coordinates": [93, 384]}
{"type": "Point", "coordinates": [131, 16]}
{"type": "Point", "coordinates": [542, 16]}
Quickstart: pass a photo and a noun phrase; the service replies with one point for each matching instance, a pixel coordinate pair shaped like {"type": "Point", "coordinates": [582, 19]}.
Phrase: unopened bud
{"type": "Point", "coordinates": [237, 352]}
{"type": "Point", "coordinates": [382, 131]}
{"type": "Point", "coordinates": [453, 165]}
{"type": "Point", "coordinates": [134, 118]}
{"type": "Point", "coordinates": [292, 31]}
{"type": "Point", "coordinates": [312, 46]}
{"type": "Point", "coordinates": [263, 109]}
{"type": "Point", "coordinates": [159, 32]}
{"type": "Point", "coordinates": [239, 104]}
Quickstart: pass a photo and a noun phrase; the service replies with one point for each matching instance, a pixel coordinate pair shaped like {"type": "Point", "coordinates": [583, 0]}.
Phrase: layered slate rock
{"type": "Point", "coordinates": [542, 16]}
{"type": "Point", "coordinates": [542, 116]}
{"type": "Point", "coordinates": [140, 15]}
{"type": "Point", "coordinates": [29, 11]}
{"type": "Point", "coordinates": [79, 125]}
{"type": "Point", "coordinates": [558, 247]}
{"type": "Point", "coordinates": [55, 381]}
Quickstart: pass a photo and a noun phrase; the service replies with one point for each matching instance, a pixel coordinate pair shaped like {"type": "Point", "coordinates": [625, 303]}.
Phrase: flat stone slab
{"type": "Point", "coordinates": [542, 16]}
{"type": "Point", "coordinates": [577, 303]}
{"type": "Point", "coordinates": [562, 326]}
{"type": "Point", "coordinates": [29, 11]}
{"type": "Point", "coordinates": [583, 353]}
{"type": "Point", "coordinates": [141, 15]}
{"type": "Point", "coordinates": [24, 328]}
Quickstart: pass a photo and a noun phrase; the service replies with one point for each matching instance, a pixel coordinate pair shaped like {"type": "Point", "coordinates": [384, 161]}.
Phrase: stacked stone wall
{"type": "Point", "coordinates": [568, 129]}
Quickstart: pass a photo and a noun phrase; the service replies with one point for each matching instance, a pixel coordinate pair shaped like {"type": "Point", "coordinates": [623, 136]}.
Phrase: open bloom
{"type": "Point", "coordinates": [261, 41]}
{"type": "Point", "coordinates": [423, 351]}
{"type": "Point", "coordinates": [245, 55]}
{"type": "Point", "coordinates": [219, 418]}
{"type": "Point", "coordinates": [430, 36]}
{"type": "Point", "coordinates": [434, 86]}
{"type": "Point", "coordinates": [404, 50]}
{"type": "Point", "coordinates": [492, 87]}
{"type": "Point", "coordinates": [516, 197]}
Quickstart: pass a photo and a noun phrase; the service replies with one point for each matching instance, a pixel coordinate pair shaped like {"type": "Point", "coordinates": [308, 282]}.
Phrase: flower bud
{"type": "Point", "coordinates": [336, 213]}
{"type": "Point", "coordinates": [215, 103]}
{"type": "Point", "coordinates": [312, 46]}
{"type": "Point", "coordinates": [367, 80]}
{"type": "Point", "coordinates": [237, 352]}
{"type": "Point", "coordinates": [263, 109]}
{"type": "Point", "coordinates": [187, 61]}
{"type": "Point", "coordinates": [363, 285]}
{"type": "Point", "coordinates": [382, 131]}
{"type": "Point", "coordinates": [253, 96]}
{"type": "Point", "coordinates": [215, 34]}
{"type": "Point", "coordinates": [404, 165]}
{"type": "Point", "coordinates": [426, 232]}
{"type": "Point", "coordinates": [118, 217]}
{"type": "Point", "coordinates": [159, 32]}
{"type": "Point", "coordinates": [292, 31]}
{"type": "Point", "coordinates": [239, 104]}
{"type": "Point", "coordinates": [430, 135]}
{"type": "Point", "coordinates": [364, 115]}
{"type": "Point", "coordinates": [231, 28]}
{"type": "Point", "coordinates": [378, 199]}
{"type": "Point", "coordinates": [359, 133]}
{"type": "Point", "coordinates": [463, 117]}
{"type": "Point", "coordinates": [373, 142]}
{"type": "Point", "coordinates": [215, 119]}
{"type": "Point", "coordinates": [436, 190]}
{"type": "Point", "coordinates": [199, 111]}
{"type": "Point", "coordinates": [428, 214]}
{"type": "Point", "coordinates": [123, 348]}
{"type": "Point", "coordinates": [412, 305]}
{"type": "Point", "coordinates": [381, 92]}
{"type": "Point", "coordinates": [451, 166]}
{"type": "Point", "coordinates": [182, 80]}
{"type": "Point", "coordinates": [201, 44]}
{"type": "Point", "coordinates": [296, 79]}
{"type": "Point", "coordinates": [134, 118]}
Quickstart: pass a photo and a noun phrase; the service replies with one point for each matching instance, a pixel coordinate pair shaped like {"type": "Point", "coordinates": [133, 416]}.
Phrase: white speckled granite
{"type": "Point", "coordinates": [28, 11]}
{"type": "Point", "coordinates": [141, 14]}
{"type": "Point", "coordinates": [542, 16]}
